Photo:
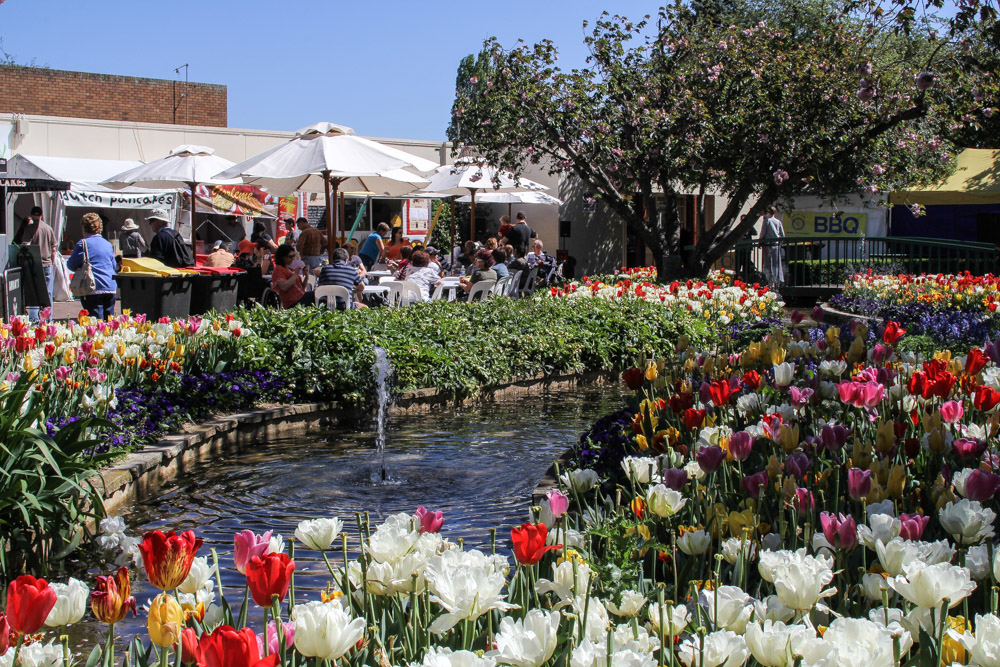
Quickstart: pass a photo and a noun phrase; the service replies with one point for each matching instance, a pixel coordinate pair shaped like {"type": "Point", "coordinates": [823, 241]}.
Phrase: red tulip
{"type": "Point", "coordinates": [529, 543]}
{"type": "Point", "coordinates": [720, 392]}
{"type": "Point", "coordinates": [975, 361]}
{"type": "Point", "coordinates": [4, 634]}
{"type": "Point", "coordinates": [227, 647]}
{"type": "Point", "coordinates": [189, 646]}
{"type": "Point", "coordinates": [167, 557]}
{"type": "Point", "coordinates": [112, 597]}
{"type": "Point", "coordinates": [29, 602]}
{"type": "Point", "coordinates": [751, 379]}
{"type": "Point", "coordinates": [986, 398]}
{"type": "Point", "coordinates": [634, 378]}
{"type": "Point", "coordinates": [892, 333]}
{"type": "Point", "coordinates": [268, 575]}
{"type": "Point", "coordinates": [693, 418]}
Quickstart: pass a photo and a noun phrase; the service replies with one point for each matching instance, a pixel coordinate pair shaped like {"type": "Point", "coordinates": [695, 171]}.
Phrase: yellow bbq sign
{"type": "Point", "coordinates": [806, 224]}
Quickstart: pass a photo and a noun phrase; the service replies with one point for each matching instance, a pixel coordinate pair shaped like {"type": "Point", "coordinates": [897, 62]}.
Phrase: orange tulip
{"type": "Point", "coordinates": [168, 557]}
{"type": "Point", "coordinates": [112, 597]}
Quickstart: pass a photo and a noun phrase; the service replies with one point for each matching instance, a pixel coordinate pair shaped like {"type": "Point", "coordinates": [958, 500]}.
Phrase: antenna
{"type": "Point", "coordinates": [184, 95]}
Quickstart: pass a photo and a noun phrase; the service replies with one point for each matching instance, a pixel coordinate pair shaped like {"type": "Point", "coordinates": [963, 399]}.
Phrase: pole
{"type": "Point", "coordinates": [193, 187]}
{"type": "Point", "coordinates": [342, 217]}
{"type": "Point", "coordinates": [451, 250]}
{"type": "Point", "coordinates": [472, 219]}
{"type": "Point", "coordinates": [329, 215]}
{"type": "Point", "coordinates": [329, 241]}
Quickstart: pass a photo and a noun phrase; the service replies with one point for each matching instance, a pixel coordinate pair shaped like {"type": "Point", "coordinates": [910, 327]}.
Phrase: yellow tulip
{"type": "Point", "coordinates": [861, 453]}
{"type": "Point", "coordinates": [740, 521]}
{"type": "Point", "coordinates": [832, 334]}
{"type": "Point", "coordinates": [944, 355]}
{"type": "Point", "coordinates": [640, 440]}
{"type": "Point", "coordinates": [773, 467]}
{"type": "Point", "coordinates": [651, 372]}
{"type": "Point", "coordinates": [880, 471]}
{"type": "Point", "coordinates": [897, 481]}
{"type": "Point", "coordinates": [935, 440]}
{"type": "Point", "coordinates": [952, 650]}
{"type": "Point", "coordinates": [69, 356]}
{"type": "Point", "coordinates": [166, 620]}
{"type": "Point", "coordinates": [778, 355]}
{"type": "Point", "coordinates": [861, 332]}
{"type": "Point", "coordinates": [27, 364]}
{"type": "Point", "coordinates": [885, 437]}
{"type": "Point", "coordinates": [788, 436]}
{"type": "Point", "coordinates": [709, 367]}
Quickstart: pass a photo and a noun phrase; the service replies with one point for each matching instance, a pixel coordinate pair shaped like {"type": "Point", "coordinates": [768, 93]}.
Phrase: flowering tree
{"type": "Point", "coordinates": [754, 104]}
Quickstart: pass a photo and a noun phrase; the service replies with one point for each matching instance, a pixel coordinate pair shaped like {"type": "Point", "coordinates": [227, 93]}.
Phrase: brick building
{"type": "Point", "coordinates": [51, 92]}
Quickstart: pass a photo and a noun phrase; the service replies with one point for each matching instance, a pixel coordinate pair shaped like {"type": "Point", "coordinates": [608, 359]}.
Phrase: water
{"type": "Point", "coordinates": [477, 464]}
{"type": "Point", "coordinates": [381, 369]}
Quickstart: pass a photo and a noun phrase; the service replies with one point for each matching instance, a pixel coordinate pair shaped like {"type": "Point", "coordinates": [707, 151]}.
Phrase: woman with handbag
{"type": "Point", "coordinates": [93, 263]}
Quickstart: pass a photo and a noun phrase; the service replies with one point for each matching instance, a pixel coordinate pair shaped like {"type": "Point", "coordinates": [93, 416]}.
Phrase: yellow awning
{"type": "Point", "coordinates": [976, 180]}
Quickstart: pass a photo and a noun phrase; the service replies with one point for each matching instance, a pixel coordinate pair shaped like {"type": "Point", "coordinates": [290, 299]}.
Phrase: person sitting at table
{"type": "Point", "coordinates": [519, 263]}
{"type": "Point", "coordinates": [499, 263]}
{"type": "Point", "coordinates": [290, 284]}
{"type": "Point", "coordinates": [339, 272]}
{"type": "Point", "coordinates": [220, 257]}
{"type": "Point", "coordinates": [483, 260]}
{"type": "Point", "coordinates": [422, 274]}
{"type": "Point", "coordinates": [402, 264]}
{"type": "Point", "coordinates": [353, 259]}
{"type": "Point", "coordinates": [394, 248]}
{"type": "Point", "coordinates": [435, 256]}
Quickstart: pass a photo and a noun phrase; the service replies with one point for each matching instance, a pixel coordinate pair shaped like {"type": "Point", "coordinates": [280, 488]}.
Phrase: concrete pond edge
{"type": "Point", "coordinates": [142, 474]}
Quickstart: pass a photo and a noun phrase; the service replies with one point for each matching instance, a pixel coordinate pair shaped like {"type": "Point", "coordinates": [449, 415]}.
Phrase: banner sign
{"type": "Point", "coordinates": [806, 224]}
{"type": "Point", "coordinates": [118, 200]}
{"type": "Point", "coordinates": [417, 217]}
{"type": "Point", "coordinates": [288, 207]}
{"type": "Point", "coordinates": [238, 199]}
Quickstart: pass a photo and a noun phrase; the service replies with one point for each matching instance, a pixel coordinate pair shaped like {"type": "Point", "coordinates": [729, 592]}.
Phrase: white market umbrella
{"type": "Point", "coordinates": [185, 166]}
{"type": "Point", "coordinates": [325, 156]}
{"type": "Point", "coordinates": [511, 198]}
{"type": "Point", "coordinates": [473, 176]}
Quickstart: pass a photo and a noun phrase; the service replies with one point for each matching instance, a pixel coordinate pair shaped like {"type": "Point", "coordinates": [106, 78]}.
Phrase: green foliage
{"type": "Point", "coordinates": [461, 348]}
{"type": "Point", "coordinates": [45, 494]}
{"type": "Point", "coordinates": [759, 102]}
{"type": "Point", "coordinates": [921, 344]}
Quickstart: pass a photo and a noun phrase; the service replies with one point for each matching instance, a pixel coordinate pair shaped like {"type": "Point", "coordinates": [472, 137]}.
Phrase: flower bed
{"type": "Point", "coordinates": [720, 299]}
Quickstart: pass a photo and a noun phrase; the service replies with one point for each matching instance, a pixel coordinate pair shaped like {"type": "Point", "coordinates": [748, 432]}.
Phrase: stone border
{"type": "Point", "coordinates": [144, 473]}
{"type": "Point", "coordinates": [841, 317]}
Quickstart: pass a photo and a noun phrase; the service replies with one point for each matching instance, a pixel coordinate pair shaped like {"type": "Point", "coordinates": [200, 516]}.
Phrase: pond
{"type": "Point", "coordinates": [477, 464]}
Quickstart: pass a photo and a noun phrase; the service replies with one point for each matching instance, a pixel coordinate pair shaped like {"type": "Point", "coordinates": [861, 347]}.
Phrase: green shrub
{"type": "Point", "coordinates": [457, 347]}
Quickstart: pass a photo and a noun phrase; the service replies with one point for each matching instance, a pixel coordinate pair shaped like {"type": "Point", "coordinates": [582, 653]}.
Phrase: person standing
{"type": "Point", "coordinates": [130, 241]}
{"type": "Point", "coordinates": [373, 249]}
{"type": "Point", "coordinates": [310, 244]}
{"type": "Point", "coordinates": [166, 241]}
{"type": "Point", "coordinates": [520, 234]}
{"type": "Point", "coordinates": [37, 232]}
{"type": "Point", "coordinates": [770, 233]}
{"type": "Point", "coordinates": [99, 304]}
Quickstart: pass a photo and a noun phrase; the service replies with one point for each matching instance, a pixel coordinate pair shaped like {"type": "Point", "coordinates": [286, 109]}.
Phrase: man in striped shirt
{"type": "Point", "coordinates": [339, 272]}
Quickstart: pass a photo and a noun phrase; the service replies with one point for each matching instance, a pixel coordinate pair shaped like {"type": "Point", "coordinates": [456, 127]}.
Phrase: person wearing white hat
{"type": "Point", "coordinates": [167, 244]}
{"type": "Point", "coordinates": [130, 241]}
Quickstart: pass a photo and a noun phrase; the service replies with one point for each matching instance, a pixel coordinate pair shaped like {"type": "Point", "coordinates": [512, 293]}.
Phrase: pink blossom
{"type": "Point", "coordinates": [799, 397]}
{"type": "Point", "coordinates": [878, 170]}
{"type": "Point", "coordinates": [558, 502]}
{"type": "Point", "coordinates": [871, 394]}
{"type": "Point", "coordinates": [839, 530]}
{"type": "Point", "coordinates": [45, 313]}
{"type": "Point", "coordinates": [740, 445]}
{"type": "Point", "coordinates": [912, 526]}
{"type": "Point", "coordinates": [248, 545]}
{"type": "Point", "coordinates": [430, 522]}
{"type": "Point", "coordinates": [62, 373]}
{"type": "Point", "coordinates": [859, 483]}
{"type": "Point", "coordinates": [272, 637]}
{"type": "Point", "coordinates": [981, 485]}
{"type": "Point", "coordinates": [780, 176]}
{"type": "Point", "coordinates": [952, 411]}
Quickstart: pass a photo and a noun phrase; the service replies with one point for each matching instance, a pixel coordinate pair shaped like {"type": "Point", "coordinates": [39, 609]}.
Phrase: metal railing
{"type": "Point", "coordinates": [818, 266]}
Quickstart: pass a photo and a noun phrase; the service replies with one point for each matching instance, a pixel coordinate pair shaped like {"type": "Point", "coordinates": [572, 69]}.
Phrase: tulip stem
{"type": "Point", "coordinates": [164, 661]}
{"type": "Point", "coordinates": [244, 608]}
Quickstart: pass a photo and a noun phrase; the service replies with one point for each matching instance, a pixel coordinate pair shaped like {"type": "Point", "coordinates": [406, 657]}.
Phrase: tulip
{"type": "Point", "coordinates": [740, 445]}
{"type": "Point", "coordinates": [705, 393]}
{"type": "Point", "coordinates": [248, 545]}
{"type": "Point", "coordinates": [859, 483]}
{"type": "Point", "coordinates": [112, 597]}
{"type": "Point", "coordinates": [799, 397]}
{"type": "Point", "coordinates": [558, 505]}
{"type": "Point", "coordinates": [912, 526]}
{"type": "Point", "coordinates": [29, 602]}
{"type": "Point", "coordinates": [319, 534]}
{"type": "Point", "coordinates": [981, 485]}
{"type": "Point", "coordinates": [754, 484]}
{"type": "Point", "coordinates": [529, 543]}
{"type": "Point", "coordinates": [529, 642]}
{"type": "Point", "coordinates": [664, 502]}
{"type": "Point", "coordinates": [581, 480]}
{"type": "Point", "coordinates": [634, 378]}
{"type": "Point", "coordinates": [325, 630]}
{"type": "Point", "coordinates": [797, 464]}
{"type": "Point", "coordinates": [268, 576]}
{"type": "Point", "coordinates": [167, 557]}
{"type": "Point", "coordinates": [4, 634]}
{"type": "Point", "coordinates": [803, 501]}
{"type": "Point", "coordinates": [227, 647]}
{"type": "Point", "coordinates": [927, 586]}
{"type": "Point", "coordinates": [189, 646]}
{"type": "Point", "coordinates": [710, 458]}
{"type": "Point", "coordinates": [722, 648]}
{"type": "Point", "coordinates": [784, 373]}
{"type": "Point", "coordinates": [273, 643]}
{"type": "Point", "coordinates": [893, 332]}
{"type": "Point", "coordinates": [952, 411]}
{"type": "Point", "coordinates": [848, 392]}
{"type": "Point", "coordinates": [71, 603]}
{"type": "Point", "coordinates": [968, 448]}
{"type": "Point", "coordinates": [967, 521]}
{"type": "Point", "coordinates": [984, 645]}
{"type": "Point", "coordinates": [675, 478]}
{"type": "Point", "coordinates": [839, 530]}
{"type": "Point", "coordinates": [694, 542]}
{"type": "Point", "coordinates": [199, 576]}
{"type": "Point", "coordinates": [166, 620]}
{"type": "Point", "coordinates": [986, 398]}
{"type": "Point", "coordinates": [773, 643]}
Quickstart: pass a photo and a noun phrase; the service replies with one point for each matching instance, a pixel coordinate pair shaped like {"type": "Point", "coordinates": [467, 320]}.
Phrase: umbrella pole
{"type": "Point", "coordinates": [336, 224]}
{"type": "Point", "coordinates": [472, 220]}
{"type": "Point", "coordinates": [508, 212]}
{"type": "Point", "coordinates": [329, 216]}
{"type": "Point", "coordinates": [342, 218]}
{"type": "Point", "coordinates": [193, 186]}
{"type": "Point", "coordinates": [451, 240]}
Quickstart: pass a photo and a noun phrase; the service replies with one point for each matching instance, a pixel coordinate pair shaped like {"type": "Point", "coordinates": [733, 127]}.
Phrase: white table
{"type": "Point", "coordinates": [377, 276]}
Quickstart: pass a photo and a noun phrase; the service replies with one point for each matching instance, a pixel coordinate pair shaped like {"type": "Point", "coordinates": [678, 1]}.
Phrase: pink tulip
{"type": "Point", "coordinates": [741, 444]}
{"type": "Point", "coordinates": [803, 501]}
{"type": "Point", "coordinates": [912, 526]}
{"type": "Point", "coordinates": [247, 546]}
{"type": "Point", "coordinates": [272, 637]}
{"type": "Point", "coordinates": [968, 448]}
{"type": "Point", "coordinates": [675, 478]}
{"type": "Point", "coordinates": [797, 316]}
{"type": "Point", "coordinates": [430, 522]}
{"type": "Point", "coordinates": [755, 484]}
{"type": "Point", "coordinates": [839, 530]}
{"type": "Point", "coordinates": [859, 483]}
{"type": "Point", "coordinates": [45, 313]}
{"type": "Point", "coordinates": [710, 458]}
{"type": "Point", "coordinates": [558, 502]}
{"type": "Point", "coordinates": [818, 314]}
{"type": "Point", "coordinates": [952, 411]}
{"type": "Point", "coordinates": [848, 391]}
{"type": "Point", "coordinates": [799, 397]}
{"type": "Point", "coordinates": [87, 347]}
{"type": "Point", "coordinates": [62, 373]}
{"type": "Point", "coordinates": [982, 485]}
{"type": "Point", "coordinates": [871, 394]}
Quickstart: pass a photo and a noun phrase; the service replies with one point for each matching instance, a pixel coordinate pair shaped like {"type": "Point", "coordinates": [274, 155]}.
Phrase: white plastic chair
{"type": "Point", "coordinates": [500, 289]}
{"type": "Point", "coordinates": [392, 296]}
{"type": "Point", "coordinates": [531, 283]}
{"type": "Point", "coordinates": [514, 284]}
{"type": "Point", "coordinates": [409, 293]}
{"type": "Point", "coordinates": [480, 290]}
{"type": "Point", "coordinates": [438, 292]}
{"type": "Point", "coordinates": [331, 293]}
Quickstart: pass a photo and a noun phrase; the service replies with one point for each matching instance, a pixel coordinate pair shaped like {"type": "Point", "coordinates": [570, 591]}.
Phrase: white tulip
{"type": "Point", "coordinates": [596, 613]}
{"type": "Point", "coordinates": [199, 576]}
{"type": "Point", "coordinates": [567, 581]}
{"type": "Point", "coordinates": [776, 644]}
{"type": "Point", "coordinates": [773, 609]}
{"type": "Point", "coordinates": [444, 657]}
{"type": "Point", "coordinates": [694, 542]}
{"type": "Point", "coordinates": [895, 554]}
{"type": "Point", "coordinates": [36, 655]}
{"type": "Point", "coordinates": [664, 502]}
{"type": "Point", "coordinates": [589, 654]}
{"type": "Point", "coordinates": [727, 607]}
{"type": "Point", "coordinates": [984, 645]}
{"type": "Point", "coordinates": [466, 588]}
{"type": "Point", "coordinates": [996, 565]}
{"type": "Point", "coordinates": [581, 480]}
{"type": "Point", "coordinates": [632, 603]}
{"type": "Point", "coordinates": [967, 521]}
{"type": "Point", "coordinates": [797, 577]}
{"type": "Point", "coordinates": [959, 479]}
{"type": "Point", "coordinates": [872, 586]}
{"type": "Point", "coordinates": [784, 373]}
{"type": "Point", "coordinates": [319, 534]}
{"type": "Point", "coordinates": [325, 630]}
{"type": "Point", "coordinates": [640, 469]}
{"type": "Point", "coordinates": [861, 642]}
{"type": "Point", "coordinates": [71, 603]}
{"type": "Point", "coordinates": [731, 550]}
{"type": "Point", "coordinates": [276, 545]}
{"type": "Point", "coordinates": [881, 528]}
{"type": "Point", "coordinates": [722, 648]}
{"type": "Point", "coordinates": [927, 586]}
{"type": "Point", "coordinates": [635, 639]}
{"type": "Point", "coordinates": [978, 561]}
{"type": "Point", "coordinates": [529, 642]}
{"type": "Point", "coordinates": [675, 618]}
{"type": "Point", "coordinates": [393, 539]}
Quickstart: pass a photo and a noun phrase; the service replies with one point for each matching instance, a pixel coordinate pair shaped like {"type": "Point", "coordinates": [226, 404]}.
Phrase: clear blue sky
{"type": "Point", "coordinates": [386, 68]}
